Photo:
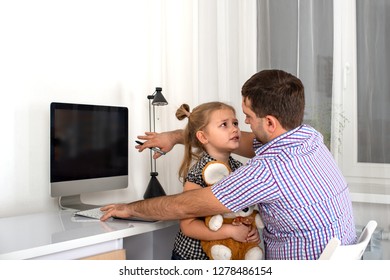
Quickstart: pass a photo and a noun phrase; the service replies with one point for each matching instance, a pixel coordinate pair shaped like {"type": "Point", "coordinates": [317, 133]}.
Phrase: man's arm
{"type": "Point", "coordinates": [167, 140]}
{"type": "Point", "coordinates": [194, 203]}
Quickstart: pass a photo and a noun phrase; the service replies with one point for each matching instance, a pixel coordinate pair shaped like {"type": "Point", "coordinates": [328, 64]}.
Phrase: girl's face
{"type": "Point", "coordinates": [221, 135]}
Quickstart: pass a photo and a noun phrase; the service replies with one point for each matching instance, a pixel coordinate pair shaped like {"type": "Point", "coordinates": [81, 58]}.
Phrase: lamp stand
{"type": "Point", "coordinates": [154, 188]}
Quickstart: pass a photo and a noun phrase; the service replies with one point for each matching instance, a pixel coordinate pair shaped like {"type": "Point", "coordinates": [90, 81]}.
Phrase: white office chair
{"type": "Point", "coordinates": [335, 251]}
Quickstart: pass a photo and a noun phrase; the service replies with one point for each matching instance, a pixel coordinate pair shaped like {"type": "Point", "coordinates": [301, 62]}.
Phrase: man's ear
{"type": "Point", "coordinates": [271, 124]}
{"type": "Point", "coordinates": [201, 137]}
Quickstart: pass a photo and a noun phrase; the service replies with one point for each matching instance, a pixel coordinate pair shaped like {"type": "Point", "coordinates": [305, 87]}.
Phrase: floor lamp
{"type": "Point", "coordinates": [154, 188]}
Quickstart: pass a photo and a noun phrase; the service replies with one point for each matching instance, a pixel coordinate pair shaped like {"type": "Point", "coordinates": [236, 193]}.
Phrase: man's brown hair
{"type": "Point", "coordinates": [276, 93]}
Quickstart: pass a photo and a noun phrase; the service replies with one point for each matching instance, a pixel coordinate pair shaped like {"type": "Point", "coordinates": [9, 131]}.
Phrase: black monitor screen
{"type": "Point", "coordinates": [87, 141]}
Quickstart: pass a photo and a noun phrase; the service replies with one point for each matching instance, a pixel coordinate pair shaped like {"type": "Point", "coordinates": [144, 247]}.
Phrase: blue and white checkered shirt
{"type": "Point", "coordinates": [302, 196]}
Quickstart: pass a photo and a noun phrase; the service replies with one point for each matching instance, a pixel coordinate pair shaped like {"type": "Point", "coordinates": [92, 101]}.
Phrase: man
{"type": "Point", "coordinates": [301, 194]}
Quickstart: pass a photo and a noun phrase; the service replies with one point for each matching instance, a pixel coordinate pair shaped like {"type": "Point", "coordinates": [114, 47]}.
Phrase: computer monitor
{"type": "Point", "coordinates": [88, 151]}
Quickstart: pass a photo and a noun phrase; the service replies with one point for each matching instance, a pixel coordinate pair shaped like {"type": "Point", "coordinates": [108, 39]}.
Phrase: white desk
{"type": "Point", "coordinates": [60, 235]}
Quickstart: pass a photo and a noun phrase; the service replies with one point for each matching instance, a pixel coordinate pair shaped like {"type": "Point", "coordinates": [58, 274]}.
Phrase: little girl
{"type": "Point", "coordinates": [211, 134]}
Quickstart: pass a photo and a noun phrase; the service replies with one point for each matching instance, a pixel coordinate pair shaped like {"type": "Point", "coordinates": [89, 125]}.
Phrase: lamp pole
{"type": "Point", "coordinates": [154, 188]}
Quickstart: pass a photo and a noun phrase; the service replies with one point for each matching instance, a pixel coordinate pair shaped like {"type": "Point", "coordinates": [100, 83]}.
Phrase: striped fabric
{"type": "Point", "coordinates": [301, 193]}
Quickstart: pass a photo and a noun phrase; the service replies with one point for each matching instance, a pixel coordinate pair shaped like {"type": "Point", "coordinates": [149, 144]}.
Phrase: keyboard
{"type": "Point", "coordinates": [95, 213]}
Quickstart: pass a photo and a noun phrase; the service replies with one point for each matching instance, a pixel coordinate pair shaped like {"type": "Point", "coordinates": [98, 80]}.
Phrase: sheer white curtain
{"type": "Point", "coordinates": [207, 50]}
{"type": "Point", "coordinates": [197, 51]}
{"type": "Point", "coordinates": [297, 36]}
{"type": "Point", "coordinates": [217, 49]}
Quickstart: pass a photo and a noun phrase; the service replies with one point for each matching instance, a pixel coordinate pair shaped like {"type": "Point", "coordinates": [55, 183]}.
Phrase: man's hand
{"type": "Point", "coordinates": [165, 141]}
{"type": "Point", "coordinates": [115, 210]}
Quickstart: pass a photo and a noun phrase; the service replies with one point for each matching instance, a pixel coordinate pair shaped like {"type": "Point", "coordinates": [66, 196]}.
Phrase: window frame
{"type": "Point", "coordinates": [369, 182]}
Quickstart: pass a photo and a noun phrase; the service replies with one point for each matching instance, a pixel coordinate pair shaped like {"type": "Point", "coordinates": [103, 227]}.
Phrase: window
{"type": "Point", "coordinates": [339, 51]}
{"type": "Point", "coordinates": [361, 123]}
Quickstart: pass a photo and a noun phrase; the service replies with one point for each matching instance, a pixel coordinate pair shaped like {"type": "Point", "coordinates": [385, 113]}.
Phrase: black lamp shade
{"type": "Point", "coordinates": [159, 99]}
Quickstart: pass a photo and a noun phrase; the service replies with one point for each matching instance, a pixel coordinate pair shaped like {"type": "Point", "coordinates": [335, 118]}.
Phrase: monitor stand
{"type": "Point", "coordinates": [74, 202]}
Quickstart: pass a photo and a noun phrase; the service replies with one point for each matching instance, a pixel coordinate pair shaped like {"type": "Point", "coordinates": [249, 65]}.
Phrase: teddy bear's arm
{"type": "Point", "coordinates": [258, 221]}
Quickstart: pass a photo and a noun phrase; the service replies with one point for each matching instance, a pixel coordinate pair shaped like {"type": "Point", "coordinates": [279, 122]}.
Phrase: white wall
{"type": "Point", "coordinates": [68, 51]}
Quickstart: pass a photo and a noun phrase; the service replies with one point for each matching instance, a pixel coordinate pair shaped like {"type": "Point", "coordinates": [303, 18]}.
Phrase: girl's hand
{"type": "Point", "coordinates": [242, 233]}
{"type": "Point", "coordinates": [253, 235]}
{"type": "Point", "coordinates": [238, 233]}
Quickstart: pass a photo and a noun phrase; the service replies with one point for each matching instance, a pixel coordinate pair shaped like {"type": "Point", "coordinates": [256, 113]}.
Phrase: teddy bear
{"type": "Point", "coordinates": [229, 249]}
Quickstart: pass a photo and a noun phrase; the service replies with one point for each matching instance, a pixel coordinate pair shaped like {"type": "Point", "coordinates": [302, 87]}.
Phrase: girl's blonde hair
{"type": "Point", "coordinates": [198, 119]}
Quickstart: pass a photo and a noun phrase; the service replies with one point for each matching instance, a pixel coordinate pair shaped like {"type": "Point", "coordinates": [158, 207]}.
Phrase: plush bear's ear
{"type": "Point", "coordinates": [215, 171]}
